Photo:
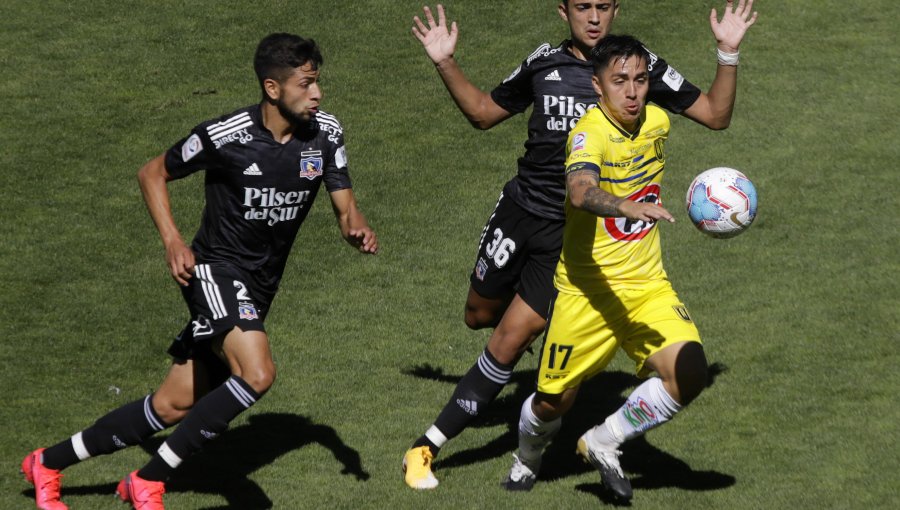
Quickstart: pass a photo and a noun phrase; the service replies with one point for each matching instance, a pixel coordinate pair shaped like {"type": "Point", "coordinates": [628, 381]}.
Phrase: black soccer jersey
{"type": "Point", "coordinates": [258, 191]}
{"type": "Point", "coordinates": [558, 84]}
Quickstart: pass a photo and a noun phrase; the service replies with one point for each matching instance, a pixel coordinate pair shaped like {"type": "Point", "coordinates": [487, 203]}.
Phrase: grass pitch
{"type": "Point", "coordinates": [799, 315]}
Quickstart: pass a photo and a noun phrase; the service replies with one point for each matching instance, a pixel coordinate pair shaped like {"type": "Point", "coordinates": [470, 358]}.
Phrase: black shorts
{"type": "Point", "coordinates": [218, 299]}
{"type": "Point", "coordinates": [518, 253]}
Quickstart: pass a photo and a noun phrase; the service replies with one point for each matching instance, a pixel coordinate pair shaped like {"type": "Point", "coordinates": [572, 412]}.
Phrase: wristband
{"type": "Point", "coordinates": [727, 59]}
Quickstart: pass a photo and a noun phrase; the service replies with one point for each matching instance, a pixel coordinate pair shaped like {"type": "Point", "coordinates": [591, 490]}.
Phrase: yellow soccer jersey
{"type": "Point", "coordinates": [599, 252]}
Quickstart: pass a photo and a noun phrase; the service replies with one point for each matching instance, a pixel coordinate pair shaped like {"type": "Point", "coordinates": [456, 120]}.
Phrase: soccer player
{"type": "Point", "coordinates": [613, 290]}
{"type": "Point", "coordinates": [264, 166]}
{"type": "Point", "coordinates": [512, 280]}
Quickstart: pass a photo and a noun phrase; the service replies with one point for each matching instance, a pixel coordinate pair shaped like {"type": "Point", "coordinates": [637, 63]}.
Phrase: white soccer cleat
{"type": "Point", "coordinates": [605, 458]}
{"type": "Point", "coordinates": [521, 477]}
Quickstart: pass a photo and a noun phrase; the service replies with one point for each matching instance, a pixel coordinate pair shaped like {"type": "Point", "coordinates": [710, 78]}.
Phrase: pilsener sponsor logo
{"type": "Point", "coordinates": [563, 112]}
{"type": "Point", "coordinates": [272, 205]}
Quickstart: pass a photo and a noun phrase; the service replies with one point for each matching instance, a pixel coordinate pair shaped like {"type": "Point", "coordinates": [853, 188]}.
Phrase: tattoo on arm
{"type": "Point", "coordinates": [594, 200]}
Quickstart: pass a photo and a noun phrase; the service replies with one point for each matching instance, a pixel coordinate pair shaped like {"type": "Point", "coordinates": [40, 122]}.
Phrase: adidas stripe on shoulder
{"type": "Point", "coordinates": [329, 120]}
{"type": "Point", "coordinates": [541, 50]}
{"type": "Point", "coordinates": [229, 126]}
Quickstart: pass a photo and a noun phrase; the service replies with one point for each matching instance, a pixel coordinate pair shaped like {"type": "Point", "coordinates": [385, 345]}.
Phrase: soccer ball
{"type": "Point", "coordinates": [721, 202]}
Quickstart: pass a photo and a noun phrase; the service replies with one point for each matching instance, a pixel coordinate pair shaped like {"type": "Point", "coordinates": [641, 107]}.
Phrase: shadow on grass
{"type": "Point", "coordinates": [647, 466]}
{"type": "Point", "coordinates": [223, 467]}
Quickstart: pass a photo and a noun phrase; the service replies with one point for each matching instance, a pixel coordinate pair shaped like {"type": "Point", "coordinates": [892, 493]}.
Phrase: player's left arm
{"type": "Point", "coordinates": [353, 224]}
{"type": "Point", "coordinates": [714, 108]}
{"type": "Point", "coordinates": [581, 186]}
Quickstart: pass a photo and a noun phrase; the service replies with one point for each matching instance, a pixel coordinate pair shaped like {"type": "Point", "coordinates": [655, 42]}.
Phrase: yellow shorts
{"type": "Point", "coordinates": [585, 331]}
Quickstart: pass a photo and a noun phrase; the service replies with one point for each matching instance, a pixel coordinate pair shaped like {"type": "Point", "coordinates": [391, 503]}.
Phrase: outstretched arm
{"type": "Point", "coordinates": [153, 178]}
{"type": "Point", "coordinates": [714, 108]}
{"type": "Point", "coordinates": [440, 44]}
{"type": "Point", "coordinates": [353, 224]}
{"type": "Point", "coordinates": [581, 186]}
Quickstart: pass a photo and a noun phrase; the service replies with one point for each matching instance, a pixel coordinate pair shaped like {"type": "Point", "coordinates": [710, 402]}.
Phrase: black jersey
{"type": "Point", "coordinates": [558, 84]}
{"type": "Point", "coordinates": [258, 191]}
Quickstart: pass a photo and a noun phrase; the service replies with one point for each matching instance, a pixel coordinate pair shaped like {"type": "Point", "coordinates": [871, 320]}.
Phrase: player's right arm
{"type": "Point", "coordinates": [582, 180]}
{"type": "Point", "coordinates": [153, 177]}
{"type": "Point", "coordinates": [440, 45]}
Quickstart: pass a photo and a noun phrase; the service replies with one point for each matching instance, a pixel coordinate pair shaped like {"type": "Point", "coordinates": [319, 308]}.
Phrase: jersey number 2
{"type": "Point", "coordinates": [242, 294]}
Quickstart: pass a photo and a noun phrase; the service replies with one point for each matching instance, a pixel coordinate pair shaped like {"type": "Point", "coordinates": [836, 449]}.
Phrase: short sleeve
{"type": "Point", "coordinates": [584, 150]}
{"type": "Point", "coordinates": [190, 154]}
{"type": "Point", "coordinates": [516, 93]}
{"type": "Point", "coordinates": [668, 88]}
{"type": "Point", "coordinates": [337, 174]}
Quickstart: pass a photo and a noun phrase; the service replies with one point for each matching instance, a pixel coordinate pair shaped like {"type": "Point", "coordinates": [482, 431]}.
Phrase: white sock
{"type": "Point", "coordinates": [648, 407]}
{"type": "Point", "coordinates": [534, 434]}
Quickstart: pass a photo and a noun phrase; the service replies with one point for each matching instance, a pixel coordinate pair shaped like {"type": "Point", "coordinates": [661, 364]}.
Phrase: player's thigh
{"type": "Point", "coordinates": [219, 300]}
{"type": "Point", "coordinates": [541, 257]}
{"type": "Point", "coordinates": [579, 344]}
{"type": "Point", "coordinates": [658, 320]}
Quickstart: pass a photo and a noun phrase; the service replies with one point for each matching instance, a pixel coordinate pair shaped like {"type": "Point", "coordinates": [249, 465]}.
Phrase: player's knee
{"type": "Point", "coordinates": [691, 372]}
{"type": "Point", "coordinates": [260, 378]}
{"type": "Point", "coordinates": [479, 318]}
{"type": "Point", "coordinates": [171, 411]}
{"type": "Point", "coordinates": [550, 407]}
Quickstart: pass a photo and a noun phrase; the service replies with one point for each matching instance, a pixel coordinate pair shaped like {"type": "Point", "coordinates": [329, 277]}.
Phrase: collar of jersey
{"type": "Point", "coordinates": [567, 44]}
{"type": "Point", "coordinates": [625, 133]}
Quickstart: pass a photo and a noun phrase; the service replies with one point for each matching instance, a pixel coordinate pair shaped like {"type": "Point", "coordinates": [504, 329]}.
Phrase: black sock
{"type": "Point", "coordinates": [126, 426]}
{"type": "Point", "coordinates": [478, 388]}
{"type": "Point", "coordinates": [207, 419]}
{"type": "Point", "coordinates": [424, 441]}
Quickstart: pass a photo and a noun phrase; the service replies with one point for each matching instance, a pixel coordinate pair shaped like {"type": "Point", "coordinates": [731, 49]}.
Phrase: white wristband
{"type": "Point", "coordinates": [727, 59]}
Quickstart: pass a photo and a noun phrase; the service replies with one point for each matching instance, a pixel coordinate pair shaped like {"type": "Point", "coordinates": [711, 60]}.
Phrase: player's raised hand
{"type": "Point", "coordinates": [438, 41]}
{"type": "Point", "coordinates": [180, 259]}
{"type": "Point", "coordinates": [364, 239]}
{"type": "Point", "coordinates": [735, 21]}
{"type": "Point", "coordinates": [644, 211]}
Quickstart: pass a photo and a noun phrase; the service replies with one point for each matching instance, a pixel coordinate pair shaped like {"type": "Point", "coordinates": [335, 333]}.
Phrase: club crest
{"type": "Point", "coordinates": [310, 168]}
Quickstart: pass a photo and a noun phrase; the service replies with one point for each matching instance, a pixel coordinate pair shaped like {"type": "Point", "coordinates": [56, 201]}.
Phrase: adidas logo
{"type": "Point", "coordinates": [469, 406]}
{"type": "Point", "coordinates": [252, 170]}
{"type": "Point", "coordinates": [554, 76]}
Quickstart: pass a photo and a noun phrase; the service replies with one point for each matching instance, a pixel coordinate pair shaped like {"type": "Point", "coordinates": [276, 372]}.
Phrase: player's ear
{"type": "Point", "coordinates": [563, 10]}
{"type": "Point", "coordinates": [595, 81]}
{"type": "Point", "coordinates": [272, 88]}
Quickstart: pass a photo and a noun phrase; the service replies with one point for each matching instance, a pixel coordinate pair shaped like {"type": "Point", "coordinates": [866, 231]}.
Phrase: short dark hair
{"type": "Point", "coordinates": [613, 47]}
{"type": "Point", "coordinates": [279, 54]}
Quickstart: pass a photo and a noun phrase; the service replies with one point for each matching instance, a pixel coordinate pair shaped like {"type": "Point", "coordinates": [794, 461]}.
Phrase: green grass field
{"type": "Point", "coordinates": [799, 315]}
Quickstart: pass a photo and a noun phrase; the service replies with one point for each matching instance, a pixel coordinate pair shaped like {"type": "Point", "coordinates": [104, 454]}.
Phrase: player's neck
{"type": "Point", "coordinates": [632, 127]}
{"type": "Point", "coordinates": [282, 130]}
{"type": "Point", "coordinates": [581, 53]}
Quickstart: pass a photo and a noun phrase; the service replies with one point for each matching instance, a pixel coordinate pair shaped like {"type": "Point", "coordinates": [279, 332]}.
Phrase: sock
{"type": "Point", "coordinates": [478, 388]}
{"type": "Point", "coordinates": [534, 435]}
{"type": "Point", "coordinates": [207, 419]}
{"type": "Point", "coordinates": [648, 407]}
{"type": "Point", "coordinates": [126, 426]}
{"type": "Point", "coordinates": [433, 438]}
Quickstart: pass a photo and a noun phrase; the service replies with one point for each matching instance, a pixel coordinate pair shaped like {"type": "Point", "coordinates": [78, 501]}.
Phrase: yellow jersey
{"type": "Point", "coordinates": [603, 253]}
